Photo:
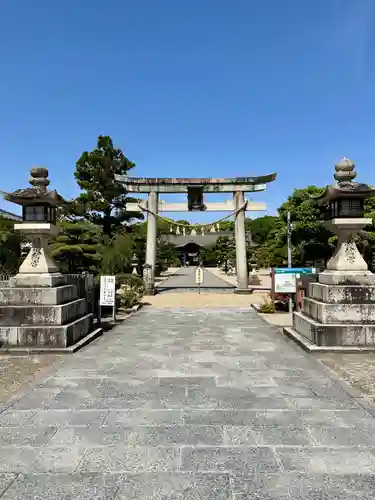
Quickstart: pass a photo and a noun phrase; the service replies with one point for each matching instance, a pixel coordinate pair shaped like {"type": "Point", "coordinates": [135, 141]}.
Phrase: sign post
{"type": "Point", "coordinates": [199, 277]}
{"type": "Point", "coordinates": [108, 293]}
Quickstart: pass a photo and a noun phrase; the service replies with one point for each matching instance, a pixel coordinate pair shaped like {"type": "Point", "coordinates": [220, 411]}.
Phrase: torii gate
{"type": "Point", "coordinates": [195, 189]}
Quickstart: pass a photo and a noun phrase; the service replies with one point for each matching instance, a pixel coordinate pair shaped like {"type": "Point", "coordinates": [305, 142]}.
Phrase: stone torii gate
{"type": "Point", "coordinates": [195, 202]}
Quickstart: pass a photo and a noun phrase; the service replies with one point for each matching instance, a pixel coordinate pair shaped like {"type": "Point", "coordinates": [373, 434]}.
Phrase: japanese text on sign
{"type": "Point", "coordinates": [107, 290]}
{"type": "Point", "coordinates": [199, 276]}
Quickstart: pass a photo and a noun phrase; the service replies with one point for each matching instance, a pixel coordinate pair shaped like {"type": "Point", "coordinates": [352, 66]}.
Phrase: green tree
{"type": "Point", "coordinates": [225, 250]}
{"type": "Point", "coordinates": [117, 255]}
{"type": "Point", "coordinates": [10, 247]}
{"type": "Point", "coordinates": [77, 248]}
{"type": "Point", "coordinates": [103, 200]}
{"type": "Point", "coordinates": [310, 239]}
{"type": "Point", "coordinates": [261, 228]}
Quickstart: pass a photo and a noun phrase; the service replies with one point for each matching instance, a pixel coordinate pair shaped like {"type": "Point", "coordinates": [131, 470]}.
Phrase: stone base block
{"type": "Point", "coordinates": [242, 290]}
{"type": "Point", "coordinates": [46, 336]}
{"type": "Point", "coordinates": [13, 315]}
{"type": "Point", "coordinates": [38, 296]}
{"type": "Point", "coordinates": [339, 313]}
{"type": "Point", "coordinates": [342, 294]}
{"type": "Point", "coordinates": [347, 278]}
{"type": "Point", "coordinates": [24, 280]}
{"type": "Point", "coordinates": [312, 348]}
{"type": "Point", "coordinates": [334, 334]}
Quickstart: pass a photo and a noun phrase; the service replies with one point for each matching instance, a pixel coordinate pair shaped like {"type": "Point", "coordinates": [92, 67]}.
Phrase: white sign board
{"type": "Point", "coordinates": [107, 290]}
{"type": "Point", "coordinates": [285, 283]}
{"type": "Point", "coordinates": [199, 276]}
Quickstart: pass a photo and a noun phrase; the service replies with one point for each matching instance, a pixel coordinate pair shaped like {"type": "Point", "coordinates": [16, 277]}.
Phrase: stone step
{"type": "Point", "coordinates": [37, 296]}
{"type": "Point", "coordinates": [62, 314]}
{"type": "Point", "coordinates": [342, 294]}
{"type": "Point", "coordinates": [46, 335]}
{"type": "Point", "coordinates": [334, 334]}
{"type": "Point", "coordinates": [339, 313]}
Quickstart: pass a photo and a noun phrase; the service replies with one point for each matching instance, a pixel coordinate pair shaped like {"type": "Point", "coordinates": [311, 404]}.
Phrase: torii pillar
{"type": "Point", "coordinates": [152, 205]}
{"type": "Point", "coordinates": [240, 234]}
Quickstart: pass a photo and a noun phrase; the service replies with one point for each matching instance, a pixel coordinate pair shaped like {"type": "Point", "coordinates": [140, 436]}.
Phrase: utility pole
{"type": "Point", "coordinates": [289, 245]}
{"type": "Point", "coordinates": [289, 233]}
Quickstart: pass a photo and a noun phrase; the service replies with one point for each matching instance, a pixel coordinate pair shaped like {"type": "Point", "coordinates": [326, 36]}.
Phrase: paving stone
{"type": "Point", "coordinates": [267, 435]}
{"type": "Point", "coordinates": [320, 460]}
{"type": "Point", "coordinates": [15, 418]}
{"type": "Point", "coordinates": [26, 436]}
{"type": "Point", "coordinates": [322, 403]}
{"type": "Point", "coordinates": [341, 436]}
{"type": "Point", "coordinates": [102, 436]}
{"type": "Point", "coordinates": [5, 481]}
{"type": "Point", "coordinates": [42, 459]}
{"type": "Point", "coordinates": [228, 459]}
{"type": "Point", "coordinates": [184, 435]}
{"type": "Point", "coordinates": [143, 417]}
{"type": "Point", "coordinates": [67, 418]}
{"type": "Point", "coordinates": [35, 399]}
{"type": "Point", "coordinates": [337, 418]}
{"type": "Point", "coordinates": [130, 459]}
{"type": "Point", "coordinates": [231, 398]}
{"type": "Point", "coordinates": [289, 486]}
{"type": "Point", "coordinates": [175, 487]}
{"type": "Point", "coordinates": [187, 381]}
{"type": "Point", "coordinates": [64, 486]}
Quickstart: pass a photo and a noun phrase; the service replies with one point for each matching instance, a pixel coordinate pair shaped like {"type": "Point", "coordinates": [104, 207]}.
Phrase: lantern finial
{"type": "Point", "coordinates": [39, 178]}
{"type": "Point", "coordinates": [345, 170]}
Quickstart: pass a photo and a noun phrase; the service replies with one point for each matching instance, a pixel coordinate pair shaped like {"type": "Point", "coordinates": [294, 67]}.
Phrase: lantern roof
{"type": "Point", "coordinates": [38, 193]}
{"type": "Point", "coordinates": [344, 187]}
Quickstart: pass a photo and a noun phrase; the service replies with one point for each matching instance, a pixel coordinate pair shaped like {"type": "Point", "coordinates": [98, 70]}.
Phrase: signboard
{"type": "Point", "coordinates": [199, 276]}
{"type": "Point", "coordinates": [107, 290]}
{"type": "Point", "coordinates": [294, 270]}
{"type": "Point", "coordinates": [285, 282]}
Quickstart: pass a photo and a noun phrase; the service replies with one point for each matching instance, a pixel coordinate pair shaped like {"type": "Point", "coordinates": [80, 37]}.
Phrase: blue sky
{"type": "Point", "coordinates": [193, 88]}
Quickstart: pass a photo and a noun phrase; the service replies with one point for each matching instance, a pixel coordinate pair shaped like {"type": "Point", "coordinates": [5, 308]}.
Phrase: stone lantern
{"type": "Point", "coordinates": [345, 217]}
{"type": "Point", "coordinates": [339, 312]}
{"type": "Point", "coordinates": [39, 310]}
{"type": "Point", "coordinates": [135, 262]}
{"type": "Point", "coordinates": [39, 225]}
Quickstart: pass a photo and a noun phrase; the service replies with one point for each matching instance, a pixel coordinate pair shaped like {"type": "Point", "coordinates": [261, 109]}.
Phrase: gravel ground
{"type": "Point", "coordinates": [357, 369]}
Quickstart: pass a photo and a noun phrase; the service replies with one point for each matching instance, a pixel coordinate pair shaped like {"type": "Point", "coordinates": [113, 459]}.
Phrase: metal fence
{"type": "Point", "coordinates": [85, 288]}
{"type": "Point", "coordinates": [4, 280]}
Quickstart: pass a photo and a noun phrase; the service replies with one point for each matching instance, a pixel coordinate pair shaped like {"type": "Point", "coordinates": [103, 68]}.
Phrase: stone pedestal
{"type": "Point", "coordinates": [38, 309]}
{"type": "Point", "coordinates": [339, 313]}
{"type": "Point", "coordinates": [46, 317]}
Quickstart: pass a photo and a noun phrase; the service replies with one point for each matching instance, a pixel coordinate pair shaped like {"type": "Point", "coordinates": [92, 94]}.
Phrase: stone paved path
{"type": "Point", "coordinates": [176, 404]}
{"type": "Point", "coordinates": [184, 279]}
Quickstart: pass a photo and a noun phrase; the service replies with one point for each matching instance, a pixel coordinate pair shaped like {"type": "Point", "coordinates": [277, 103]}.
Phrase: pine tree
{"type": "Point", "coordinates": [103, 199]}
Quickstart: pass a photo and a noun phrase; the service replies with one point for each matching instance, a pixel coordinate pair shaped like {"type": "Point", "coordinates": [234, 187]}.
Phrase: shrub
{"type": "Point", "coordinates": [130, 290]}
{"type": "Point", "coordinates": [268, 306]}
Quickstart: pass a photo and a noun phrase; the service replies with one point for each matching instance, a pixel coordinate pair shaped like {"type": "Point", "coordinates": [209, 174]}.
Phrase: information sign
{"type": "Point", "coordinates": [294, 270]}
{"type": "Point", "coordinates": [199, 276]}
{"type": "Point", "coordinates": [107, 290]}
{"type": "Point", "coordinates": [285, 282]}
